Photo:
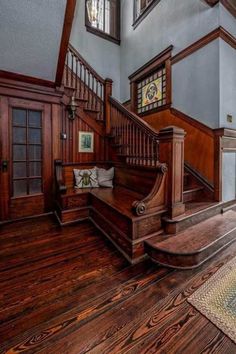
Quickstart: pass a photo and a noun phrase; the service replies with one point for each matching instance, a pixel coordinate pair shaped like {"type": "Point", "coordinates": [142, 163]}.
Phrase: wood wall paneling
{"type": "Point", "coordinates": [199, 143]}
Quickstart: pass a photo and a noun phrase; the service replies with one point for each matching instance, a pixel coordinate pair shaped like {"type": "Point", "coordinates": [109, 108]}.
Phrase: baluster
{"type": "Point", "coordinates": [148, 151]}
{"type": "Point", "coordinates": [85, 93]}
{"type": "Point", "coordinates": [93, 96]}
{"type": "Point", "coordinates": [152, 153]}
{"type": "Point", "coordinates": [126, 137]}
{"type": "Point", "coordinates": [89, 90]}
{"type": "Point", "coordinates": [67, 68]}
{"type": "Point", "coordinates": [140, 147]}
{"type": "Point", "coordinates": [100, 102]}
{"type": "Point", "coordinates": [144, 149]}
{"type": "Point", "coordinates": [96, 97]}
{"type": "Point", "coordinates": [72, 69]}
{"type": "Point", "coordinates": [80, 79]}
{"type": "Point", "coordinates": [76, 76]}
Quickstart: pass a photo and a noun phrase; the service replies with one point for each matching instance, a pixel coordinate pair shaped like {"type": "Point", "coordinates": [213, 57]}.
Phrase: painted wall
{"type": "Point", "coordinates": [227, 84]}
{"type": "Point", "coordinates": [30, 36]}
{"type": "Point", "coordinates": [195, 85]}
{"type": "Point", "coordinates": [171, 22]}
{"type": "Point", "coordinates": [101, 54]}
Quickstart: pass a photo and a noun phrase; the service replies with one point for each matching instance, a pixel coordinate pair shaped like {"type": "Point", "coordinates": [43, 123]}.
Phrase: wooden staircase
{"type": "Point", "coordinates": [159, 207]}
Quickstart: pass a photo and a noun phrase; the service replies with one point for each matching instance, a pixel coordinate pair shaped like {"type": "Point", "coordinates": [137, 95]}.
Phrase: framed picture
{"type": "Point", "coordinates": [86, 142]}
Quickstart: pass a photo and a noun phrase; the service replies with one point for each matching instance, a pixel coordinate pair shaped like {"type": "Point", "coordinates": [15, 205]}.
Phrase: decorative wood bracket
{"type": "Point", "coordinates": [60, 184]}
{"type": "Point", "coordinates": [156, 200]}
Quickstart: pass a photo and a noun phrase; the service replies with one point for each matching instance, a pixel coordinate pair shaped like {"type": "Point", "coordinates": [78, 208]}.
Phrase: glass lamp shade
{"type": "Point", "coordinates": [92, 10]}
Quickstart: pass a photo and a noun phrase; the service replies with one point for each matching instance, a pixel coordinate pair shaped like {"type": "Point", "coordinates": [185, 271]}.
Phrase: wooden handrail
{"type": "Point", "coordinates": [86, 84]}
{"type": "Point", "coordinates": [136, 141]}
{"type": "Point", "coordinates": [136, 119]}
{"type": "Point", "coordinates": [86, 64]}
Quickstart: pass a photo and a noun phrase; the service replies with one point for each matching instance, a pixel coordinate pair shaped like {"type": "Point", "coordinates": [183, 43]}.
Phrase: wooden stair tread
{"type": "Point", "coordinates": [198, 237]}
{"type": "Point", "coordinates": [190, 189]}
{"type": "Point", "coordinates": [119, 198]}
{"type": "Point", "coordinates": [194, 208]}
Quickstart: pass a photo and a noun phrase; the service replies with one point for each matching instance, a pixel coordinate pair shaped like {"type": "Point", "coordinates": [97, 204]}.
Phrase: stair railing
{"type": "Point", "coordinates": [134, 139]}
{"type": "Point", "coordinates": [88, 85]}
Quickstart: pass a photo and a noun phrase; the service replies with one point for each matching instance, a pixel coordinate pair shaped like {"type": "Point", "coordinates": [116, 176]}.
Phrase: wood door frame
{"type": "Point", "coordinates": [38, 203]}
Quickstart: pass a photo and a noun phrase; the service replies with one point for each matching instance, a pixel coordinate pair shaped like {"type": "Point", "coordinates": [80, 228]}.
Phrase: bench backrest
{"type": "Point", "coordinates": [138, 179]}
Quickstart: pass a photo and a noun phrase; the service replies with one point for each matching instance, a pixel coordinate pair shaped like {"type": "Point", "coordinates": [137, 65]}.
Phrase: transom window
{"type": "Point", "coordinates": [26, 152]}
{"type": "Point", "coordinates": [103, 18]}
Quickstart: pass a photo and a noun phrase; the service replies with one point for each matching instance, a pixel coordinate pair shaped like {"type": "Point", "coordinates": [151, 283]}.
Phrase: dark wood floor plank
{"type": "Point", "coordinates": [129, 337]}
{"type": "Point", "coordinates": [68, 291]}
{"type": "Point", "coordinates": [71, 320]}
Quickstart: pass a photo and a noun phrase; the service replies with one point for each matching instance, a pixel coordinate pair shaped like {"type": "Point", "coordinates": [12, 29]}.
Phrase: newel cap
{"type": "Point", "coordinates": [172, 130]}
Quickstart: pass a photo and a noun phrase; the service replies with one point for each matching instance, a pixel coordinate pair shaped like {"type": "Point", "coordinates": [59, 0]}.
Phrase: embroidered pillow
{"type": "Point", "coordinates": [86, 178]}
{"type": "Point", "coordinates": [105, 177]}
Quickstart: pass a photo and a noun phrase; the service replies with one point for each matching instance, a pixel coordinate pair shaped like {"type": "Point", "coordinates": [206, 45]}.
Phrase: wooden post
{"type": "Point", "coordinates": [133, 96]}
{"type": "Point", "coordinates": [171, 152]}
{"type": "Point", "coordinates": [107, 94]}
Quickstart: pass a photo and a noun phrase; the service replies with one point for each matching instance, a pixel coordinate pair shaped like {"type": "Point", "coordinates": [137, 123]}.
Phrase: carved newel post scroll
{"type": "Point", "coordinates": [171, 152]}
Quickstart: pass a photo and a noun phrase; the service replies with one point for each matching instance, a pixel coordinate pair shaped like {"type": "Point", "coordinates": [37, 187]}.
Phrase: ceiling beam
{"type": "Point", "coordinates": [68, 21]}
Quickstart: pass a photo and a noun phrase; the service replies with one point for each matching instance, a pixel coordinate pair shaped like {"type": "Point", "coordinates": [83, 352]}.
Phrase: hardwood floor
{"type": "Point", "coordinates": [68, 291]}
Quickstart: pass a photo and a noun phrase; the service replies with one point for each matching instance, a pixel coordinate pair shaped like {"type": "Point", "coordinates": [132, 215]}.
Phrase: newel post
{"type": "Point", "coordinates": [107, 94]}
{"type": "Point", "coordinates": [171, 151]}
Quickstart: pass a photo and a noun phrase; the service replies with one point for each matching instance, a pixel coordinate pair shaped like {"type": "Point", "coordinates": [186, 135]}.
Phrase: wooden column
{"type": "Point", "coordinates": [171, 152]}
{"type": "Point", "coordinates": [107, 94]}
{"type": "Point", "coordinates": [218, 165]}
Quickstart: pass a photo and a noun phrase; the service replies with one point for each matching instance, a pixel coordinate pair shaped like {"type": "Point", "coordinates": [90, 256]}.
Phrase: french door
{"type": "Point", "coordinates": [26, 165]}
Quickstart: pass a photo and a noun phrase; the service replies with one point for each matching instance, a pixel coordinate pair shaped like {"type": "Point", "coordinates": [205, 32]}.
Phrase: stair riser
{"type": "Point", "coordinates": [192, 260]}
{"type": "Point", "coordinates": [175, 227]}
{"type": "Point", "coordinates": [134, 253]}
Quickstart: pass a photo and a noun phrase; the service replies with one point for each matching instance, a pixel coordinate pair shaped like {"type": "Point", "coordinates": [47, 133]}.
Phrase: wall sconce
{"type": "Point", "coordinates": [92, 10]}
{"type": "Point", "coordinates": [71, 108]}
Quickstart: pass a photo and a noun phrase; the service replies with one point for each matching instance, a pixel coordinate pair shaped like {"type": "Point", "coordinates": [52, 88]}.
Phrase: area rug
{"type": "Point", "coordinates": [216, 299]}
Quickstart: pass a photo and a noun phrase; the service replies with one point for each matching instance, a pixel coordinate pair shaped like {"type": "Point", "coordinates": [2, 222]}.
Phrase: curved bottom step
{"type": "Point", "coordinates": [192, 247]}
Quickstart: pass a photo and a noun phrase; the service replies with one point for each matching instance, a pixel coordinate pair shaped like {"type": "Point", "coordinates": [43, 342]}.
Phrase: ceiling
{"type": "Point", "coordinates": [30, 36]}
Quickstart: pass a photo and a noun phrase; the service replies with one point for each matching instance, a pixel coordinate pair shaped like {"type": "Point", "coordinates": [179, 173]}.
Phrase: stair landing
{"type": "Point", "coordinates": [192, 247]}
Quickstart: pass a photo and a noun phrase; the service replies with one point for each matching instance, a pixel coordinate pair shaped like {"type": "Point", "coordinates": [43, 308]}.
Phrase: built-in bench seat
{"type": "Point", "coordinates": [113, 210]}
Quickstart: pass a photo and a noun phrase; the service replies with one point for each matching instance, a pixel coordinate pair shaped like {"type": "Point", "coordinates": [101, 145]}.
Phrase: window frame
{"type": "Point", "coordinates": [146, 11]}
{"type": "Point", "coordinates": [163, 59]}
{"type": "Point", "coordinates": [103, 34]}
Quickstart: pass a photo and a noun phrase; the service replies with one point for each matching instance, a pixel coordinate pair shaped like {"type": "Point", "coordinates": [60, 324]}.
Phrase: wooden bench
{"type": "Point", "coordinates": [127, 214]}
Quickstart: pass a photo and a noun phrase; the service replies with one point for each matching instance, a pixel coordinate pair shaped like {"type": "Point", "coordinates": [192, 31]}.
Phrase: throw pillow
{"type": "Point", "coordinates": [86, 178]}
{"type": "Point", "coordinates": [105, 177]}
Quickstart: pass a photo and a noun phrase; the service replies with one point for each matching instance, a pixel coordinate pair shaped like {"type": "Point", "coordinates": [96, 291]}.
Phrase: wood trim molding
{"type": "Point", "coordinates": [228, 37]}
{"type": "Point", "coordinates": [212, 2]}
{"type": "Point", "coordinates": [219, 32]}
{"type": "Point", "coordinates": [151, 65]}
{"type": "Point", "coordinates": [24, 78]}
{"type": "Point", "coordinates": [195, 123]}
{"type": "Point", "coordinates": [228, 4]}
{"type": "Point", "coordinates": [68, 20]}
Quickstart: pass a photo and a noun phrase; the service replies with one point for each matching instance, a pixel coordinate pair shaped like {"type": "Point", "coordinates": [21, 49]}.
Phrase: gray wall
{"type": "Point", "coordinates": [30, 36]}
{"type": "Point", "coordinates": [195, 82]}
{"type": "Point", "coordinates": [177, 22]}
{"type": "Point", "coordinates": [101, 54]}
{"type": "Point", "coordinates": [227, 84]}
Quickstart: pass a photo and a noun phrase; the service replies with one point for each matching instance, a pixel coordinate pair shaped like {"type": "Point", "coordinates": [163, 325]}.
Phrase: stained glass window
{"type": "Point", "coordinates": [151, 91]}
